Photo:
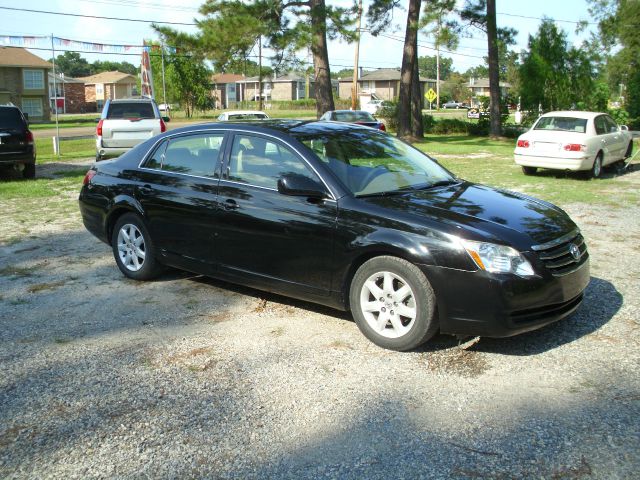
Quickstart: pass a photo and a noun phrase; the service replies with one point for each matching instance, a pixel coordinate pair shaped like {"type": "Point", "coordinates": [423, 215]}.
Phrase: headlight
{"type": "Point", "coordinates": [497, 258]}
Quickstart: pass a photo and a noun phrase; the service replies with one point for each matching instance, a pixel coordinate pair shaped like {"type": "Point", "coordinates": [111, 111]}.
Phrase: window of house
{"type": "Point", "coordinates": [32, 106]}
{"type": "Point", "coordinates": [99, 88]}
{"type": "Point", "coordinates": [33, 79]}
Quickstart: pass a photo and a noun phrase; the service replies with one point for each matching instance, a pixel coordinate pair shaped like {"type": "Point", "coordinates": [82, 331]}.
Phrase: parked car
{"type": "Point", "coordinates": [125, 123]}
{"type": "Point", "coordinates": [374, 106]}
{"type": "Point", "coordinates": [359, 117]}
{"type": "Point", "coordinates": [575, 141]}
{"type": "Point", "coordinates": [242, 115]}
{"type": "Point", "coordinates": [341, 215]}
{"type": "Point", "coordinates": [17, 146]}
{"type": "Point", "coordinates": [452, 104]}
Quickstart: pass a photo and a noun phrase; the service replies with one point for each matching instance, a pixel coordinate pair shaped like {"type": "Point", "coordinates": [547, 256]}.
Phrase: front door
{"type": "Point", "coordinates": [283, 241]}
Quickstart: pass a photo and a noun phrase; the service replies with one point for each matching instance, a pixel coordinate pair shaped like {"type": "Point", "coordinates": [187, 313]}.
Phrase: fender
{"type": "Point", "coordinates": [117, 206]}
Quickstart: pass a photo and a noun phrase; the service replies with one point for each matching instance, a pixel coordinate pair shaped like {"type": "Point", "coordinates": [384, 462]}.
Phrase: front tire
{"type": "Point", "coordinates": [133, 248]}
{"type": "Point", "coordinates": [393, 303]}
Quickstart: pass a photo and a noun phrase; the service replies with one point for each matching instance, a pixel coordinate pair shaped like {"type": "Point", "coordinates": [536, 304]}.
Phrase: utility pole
{"type": "Point", "coordinates": [167, 111]}
{"type": "Point", "coordinates": [56, 141]}
{"type": "Point", "coordinates": [260, 103]}
{"type": "Point", "coordinates": [354, 87]}
{"type": "Point", "coordinates": [438, 64]}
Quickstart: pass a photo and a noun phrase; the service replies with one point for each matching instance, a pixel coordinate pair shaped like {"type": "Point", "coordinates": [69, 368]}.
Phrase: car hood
{"type": "Point", "coordinates": [494, 214]}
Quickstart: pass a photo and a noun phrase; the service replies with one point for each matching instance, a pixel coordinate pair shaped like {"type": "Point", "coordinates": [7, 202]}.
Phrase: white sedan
{"type": "Point", "coordinates": [235, 115]}
{"type": "Point", "coordinates": [573, 141]}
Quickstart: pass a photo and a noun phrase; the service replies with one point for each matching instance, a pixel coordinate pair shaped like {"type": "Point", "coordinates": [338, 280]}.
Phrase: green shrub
{"type": "Point", "coordinates": [481, 128]}
{"type": "Point", "coordinates": [428, 122]}
{"type": "Point", "coordinates": [389, 112]}
{"type": "Point", "coordinates": [620, 115]}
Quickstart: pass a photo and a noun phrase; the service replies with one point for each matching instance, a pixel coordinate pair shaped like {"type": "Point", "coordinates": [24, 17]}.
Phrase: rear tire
{"type": "Point", "coordinates": [29, 171]}
{"type": "Point", "coordinates": [393, 303]}
{"type": "Point", "coordinates": [596, 169]}
{"type": "Point", "coordinates": [529, 170]}
{"type": "Point", "coordinates": [133, 248]}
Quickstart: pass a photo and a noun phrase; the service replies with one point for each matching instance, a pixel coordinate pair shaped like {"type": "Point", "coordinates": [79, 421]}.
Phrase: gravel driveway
{"type": "Point", "coordinates": [189, 377]}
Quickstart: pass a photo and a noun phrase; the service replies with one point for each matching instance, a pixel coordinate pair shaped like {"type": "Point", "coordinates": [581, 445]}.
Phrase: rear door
{"type": "Point", "coordinates": [128, 124]}
{"type": "Point", "coordinates": [617, 141]}
{"type": "Point", "coordinates": [178, 192]}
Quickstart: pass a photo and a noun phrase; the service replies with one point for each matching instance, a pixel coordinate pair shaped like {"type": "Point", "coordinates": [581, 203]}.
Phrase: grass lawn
{"type": "Point", "coordinates": [70, 150]}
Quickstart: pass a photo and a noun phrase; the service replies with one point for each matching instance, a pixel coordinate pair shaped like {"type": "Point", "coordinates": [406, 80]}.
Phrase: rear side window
{"type": "Point", "coordinates": [10, 118]}
{"type": "Point", "coordinates": [191, 154]}
{"type": "Point", "coordinates": [131, 110]}
{"type": "Point", "coordinates": [601, 126]}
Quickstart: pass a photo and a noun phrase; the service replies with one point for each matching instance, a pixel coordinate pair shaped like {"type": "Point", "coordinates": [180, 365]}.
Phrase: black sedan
{"type": "Point", "coordinates": [359, 117]}
{"type": "Point", "coordinates": [341, 215]}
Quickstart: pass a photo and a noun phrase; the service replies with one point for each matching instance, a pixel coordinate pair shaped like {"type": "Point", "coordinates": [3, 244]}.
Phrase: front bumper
{"type": "Point", "coordinates": [581, 162]}
{"type": "Point", "coordinates": [482, 304]}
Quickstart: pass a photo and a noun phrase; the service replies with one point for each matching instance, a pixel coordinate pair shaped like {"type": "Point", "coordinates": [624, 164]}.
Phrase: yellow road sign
{"type": "Point", "coordinates": [430, 95]}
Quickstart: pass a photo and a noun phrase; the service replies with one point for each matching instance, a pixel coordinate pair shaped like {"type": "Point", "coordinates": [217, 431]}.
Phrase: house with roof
{"type": "Point", "coordinates": [23, 82]}
{"type": "Point", "coordinates": [383, 83]}
{"type": "Point", "coordinates": [107, 85]}
{"type": "Point", "coordinates": [69, 96]}
{"type": "Point", "coordinates": [479, 88]}
{"type": "Point", "coordinates": [224, 88]}
{"type": "Point", "coordinates": [290, 86]}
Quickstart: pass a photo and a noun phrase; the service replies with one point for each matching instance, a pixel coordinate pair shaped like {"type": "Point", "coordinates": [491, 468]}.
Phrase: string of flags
{"type": "Point", "coordinates": [66, 43]}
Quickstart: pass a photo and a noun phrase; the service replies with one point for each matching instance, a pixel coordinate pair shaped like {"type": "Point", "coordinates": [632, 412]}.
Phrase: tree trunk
{"type": "Point", "coordinates": [417, 128]}
{"type": "Point", "coordinates": [324, 92]}
{"type": "Point", "coordinates": [494, 72]}
{"type": "Point", "coordinates": [408, 60]}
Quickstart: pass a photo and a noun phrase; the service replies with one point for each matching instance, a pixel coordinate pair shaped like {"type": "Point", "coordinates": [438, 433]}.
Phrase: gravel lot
{"type": "Point", "coordinates": [189, 377]}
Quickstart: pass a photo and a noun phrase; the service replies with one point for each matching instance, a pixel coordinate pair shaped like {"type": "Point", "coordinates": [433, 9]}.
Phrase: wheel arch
{"type": "Point", "coordinates": [121, 205]}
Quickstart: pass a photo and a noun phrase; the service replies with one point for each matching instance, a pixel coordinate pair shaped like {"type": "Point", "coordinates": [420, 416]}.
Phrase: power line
{"type": "Point", "coordinates": [398, 39]}
{"type": "Point", "coordinates": [96, 16]}
{"type": "Point", "coordinates": [543, 18]}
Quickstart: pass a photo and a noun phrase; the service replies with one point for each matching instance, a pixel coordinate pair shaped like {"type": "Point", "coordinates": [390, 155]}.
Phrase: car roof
{"type": "Point", "coordinates": [132, 100]}
{"type": "Point", "coordinates": [292, 127]}
{"type": "Point", "coordinates": [348, 111]}
{"type": "Point", "coordinates": [245, 112]}
{"type": "Point", "coordinates": [573, 114]}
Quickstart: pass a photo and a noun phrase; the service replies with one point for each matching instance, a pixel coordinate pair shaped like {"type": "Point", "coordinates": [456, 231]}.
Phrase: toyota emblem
{"type": "Point", "coordinates": [574, 251]}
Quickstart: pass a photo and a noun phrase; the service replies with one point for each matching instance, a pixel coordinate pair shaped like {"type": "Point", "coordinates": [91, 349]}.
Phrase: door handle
{"type": "Point", "coordinates": [230, 204]}
{"type": "Point", "coordinates": [145, 189]}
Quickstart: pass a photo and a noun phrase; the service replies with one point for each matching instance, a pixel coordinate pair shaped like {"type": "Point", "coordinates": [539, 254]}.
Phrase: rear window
{"type": "Point", "coordinates": [130, 110]}
{"type": "Point", "coordinates": [10, 118]}
{"type": "Point", "coordinates": [565, 124]}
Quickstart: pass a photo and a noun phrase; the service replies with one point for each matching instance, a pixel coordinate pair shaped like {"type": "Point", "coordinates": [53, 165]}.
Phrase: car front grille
{"type": "Point", "coordinates": [563, 255]}
{"type": "Point", "coordinates": [549, 311]}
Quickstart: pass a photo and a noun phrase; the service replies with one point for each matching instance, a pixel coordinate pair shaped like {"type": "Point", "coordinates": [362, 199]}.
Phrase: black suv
{"type": "Point", "coordinates": [17, 147]}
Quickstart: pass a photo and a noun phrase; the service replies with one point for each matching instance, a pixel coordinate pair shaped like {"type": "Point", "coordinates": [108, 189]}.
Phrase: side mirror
{"type": "Point", "coordinates": [624, 127]}
{"type": "Point", "coordinates": [298, 185]}
{"type": "Point", "coordinates": [166, 119]}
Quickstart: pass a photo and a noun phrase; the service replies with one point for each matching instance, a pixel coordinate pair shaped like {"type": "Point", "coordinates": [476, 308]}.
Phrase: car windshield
{"type": "Point", "coordinates": [248, 116]}
{"type": "Point", "coordinates": [565, 124]}
{"type": "Point", "coordinates": [354, 117]}
{"type": "Point", "coordinates": [371, 163]}
{"type": "Point", "coordinates": [130, 110]}
{"type": "Point", "coordinates": [10, 118]}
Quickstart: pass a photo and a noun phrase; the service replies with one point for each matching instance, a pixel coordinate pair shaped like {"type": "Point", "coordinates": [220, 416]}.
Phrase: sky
{"type": "Point", "coordinates": [374, 52]}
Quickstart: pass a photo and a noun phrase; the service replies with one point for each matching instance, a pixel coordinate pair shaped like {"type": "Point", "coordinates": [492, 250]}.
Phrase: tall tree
{"type": "Point", "coordinates": [231, 27]}
{"type": "Point", "coordinates": [409, 58]}
{"type": "Point", "coordinates": [72, 65]}
{"type": "Point", "coordinates": [482, 15]}
{"type": "Point", "coordinates": [428, 67]}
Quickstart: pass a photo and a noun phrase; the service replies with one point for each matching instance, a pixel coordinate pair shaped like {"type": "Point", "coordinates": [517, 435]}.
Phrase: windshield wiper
{"type": "Point", "coordinates": [387, 193]}
{"type": "Point", "coordinates": [439, 183]}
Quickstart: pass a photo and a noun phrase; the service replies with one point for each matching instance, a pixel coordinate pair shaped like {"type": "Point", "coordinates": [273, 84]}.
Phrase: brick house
{"type": "Point", "coordinates": [384, 83]}
{"type": "Point", "coordinates": [23, 82]}
{"type": "Point", "coordinates": [69, 96]}
{"type": "Point", "coordinates": [107, 85]}
{"type": "Point", "coordinates": [286, 87]}
{"type": "Point", "coordinates": [479, 88]}
{"type": "Point", "coordinates": [225, 89]}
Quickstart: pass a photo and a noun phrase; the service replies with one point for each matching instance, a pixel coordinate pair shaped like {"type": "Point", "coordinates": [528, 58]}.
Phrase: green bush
{"type": "Point", "coordinates": [428, 121]}
{"type": "Point", "coordinates": [450, 125]}
{"type": "Point", "coordinates": [389, 112]}
{"type": "Point", "coordinates": [620, 115]}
